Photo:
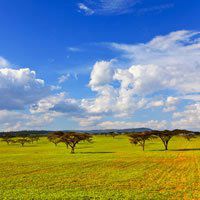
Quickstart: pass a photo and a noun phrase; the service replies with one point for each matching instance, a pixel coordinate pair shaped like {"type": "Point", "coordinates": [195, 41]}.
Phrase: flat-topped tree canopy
{"type": "Point", "coordinates": [71, 139]}
{"type": "Point", "coordinates": [55, 137]}
{"type": "Point", "coordinates": [140, 138]}
{"type": "Point", "coordinates": [113, 133]}
{"type": "Point", "coordinates": [22, 141]}
{"type": "Point", "coordinates": [166, 135]}
{"type": "Point", "coordinates": [185, 133]}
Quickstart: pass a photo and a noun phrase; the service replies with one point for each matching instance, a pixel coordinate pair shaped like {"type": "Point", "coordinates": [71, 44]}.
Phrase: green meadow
{"type": "Point", "coordinates": [108, 168]}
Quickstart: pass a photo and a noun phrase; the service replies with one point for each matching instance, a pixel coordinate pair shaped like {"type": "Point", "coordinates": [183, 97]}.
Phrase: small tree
{"type": "Point", "coordinates": [71, 139]}
{"type": "Point", "coordinates": [55, 137]}
{"type": "Point", "coordinates": [22, 141]}
{"type": "Point", "coordinates": [8, 140]}
{"type": "Point", "coordinates": [7, 137]}
{"type": "Point", "coordinates": [140, 138]}
{"type": "Point", "coordinates": [113, 134]}
{"type": "Point", "coordinates": [33, 138]}
{"type": "Point", "coordinates": [188, 135]}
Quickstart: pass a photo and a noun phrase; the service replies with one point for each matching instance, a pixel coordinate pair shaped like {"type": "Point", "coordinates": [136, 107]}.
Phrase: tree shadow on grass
{"type": "Point", "coordinates": [84, 147]}
{"type": "Point", "coordinates": [156, 150]}
{"type": "Point", "coordinates": [190, 149]}
{"type": "Point", "coordinates": [98, 152]}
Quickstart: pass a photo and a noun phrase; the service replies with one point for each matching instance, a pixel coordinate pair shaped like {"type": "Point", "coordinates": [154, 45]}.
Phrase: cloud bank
{"type": "Point", "coordinates": [161, 83]}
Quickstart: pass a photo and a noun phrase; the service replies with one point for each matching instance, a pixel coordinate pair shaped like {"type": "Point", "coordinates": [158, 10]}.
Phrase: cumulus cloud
{"type": "Point", "coordinates": [166, 62]}
{"type": "Point", "coordinates": [89, 122]}
{"type": "Point", "coordinates": [59, 103]}
{"type": "Point", "coordinates": [189, 118]}
{"type": "Point", "coordinates": [166, 65]}
{"type": "Point", "coordinates": [153, 124]}
{"type": "Point", "coordinates": [160, 75]}
{"type": "Point", "coordinates": [102, 73]}
{"type": "Point", "coordinates": [13, 120]}
{"type": "Point", "coordinates": [20, 88]}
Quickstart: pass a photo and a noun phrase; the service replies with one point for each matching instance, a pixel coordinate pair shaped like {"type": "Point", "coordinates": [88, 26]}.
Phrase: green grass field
{"type": "Point", "coordinates": [105, 169]}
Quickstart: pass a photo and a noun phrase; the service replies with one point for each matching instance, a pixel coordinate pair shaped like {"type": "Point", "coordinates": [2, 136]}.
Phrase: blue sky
{"type": "Point", "coordinates": [99, 64]}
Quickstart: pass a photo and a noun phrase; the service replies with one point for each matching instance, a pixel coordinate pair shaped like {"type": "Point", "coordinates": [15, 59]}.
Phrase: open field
{"type": "Point", "coordinates": [105, 169]}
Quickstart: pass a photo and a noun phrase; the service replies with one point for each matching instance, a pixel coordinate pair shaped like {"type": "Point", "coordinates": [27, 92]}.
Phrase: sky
{"type": "Point", "coordinates": [99, 64]}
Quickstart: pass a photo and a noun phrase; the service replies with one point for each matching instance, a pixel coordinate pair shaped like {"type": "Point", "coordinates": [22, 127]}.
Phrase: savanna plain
{"type": "Point", "coordinates": [107, 168]}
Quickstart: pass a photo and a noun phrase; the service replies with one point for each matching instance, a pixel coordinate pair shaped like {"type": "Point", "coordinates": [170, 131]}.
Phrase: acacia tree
{"type": "Point", "coordinates": [8, 138]}
{"type": "Point", "coordinates": [140, 138]}
{"type": "Point", "coordinates": [33, 138]}
{"type": "Point", "coordinates": [188, 135]}
{"type": "Point", "coordinates": [113, 134]}
{"type": "Point", "coordinates": [55, 137]}
{"type": "Point", "coordinates": [22, 141]}
{"type": "Point", "coordinates": [71, 139]}
{"type": "Point", "coordinates": [165, 136]}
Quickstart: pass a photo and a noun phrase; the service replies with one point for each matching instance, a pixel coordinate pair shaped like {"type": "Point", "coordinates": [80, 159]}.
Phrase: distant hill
{"type": "Point", "coordinates": [118, 130]}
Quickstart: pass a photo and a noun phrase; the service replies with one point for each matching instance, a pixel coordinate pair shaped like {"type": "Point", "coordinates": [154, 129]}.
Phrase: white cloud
{"type": "Point", "coordinates": [161, 74]}
{"type": "Point", "coordinates": [89, 122]}
{"type": "Point", "coordinates": [153, 124]}
{"type": "Point", "coordinates": [157, 8]}
{"type": "Point", "coordinates": [119, 7]}
{"type": "Point", "coordinates": [63, 78]}
{"type": "Point", "coordinates": [59, 103]}
{"type": "Point", "coordinates": [169, 109]}
{"type": "Point", "coordinates": [85, 9]}
{"type": "Point", "coordinates": [105, 7]}
{"type": "Point", "coordinates": [171, 101]}
{"type": "Point", "coordinates": [189, 118]}
{"type": "Point", "coordinates": [101, 74]}
{"type": "Point", "coordinates": [74, 49]}
{"type": "Point", "coordinates": [4, 62]}
{"type": "Point", "coordinates": [12, 120]}
{"type": "Point", "coordinates": [166, 62]}
{"type": "Point", "coordinates": [156, 103]}
{"type": "Point", "coordinates": [170, 104]}
{"type": "Point", "coordinates": [19, 88]}
{"type": "Point", "coordinates": [55, 87]}
{"type": "Point", "coordinates": [193, 97]}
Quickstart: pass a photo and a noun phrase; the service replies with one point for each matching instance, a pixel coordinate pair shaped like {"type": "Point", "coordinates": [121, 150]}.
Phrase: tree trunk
{"type": "Point", "coordinates": [72, 150]}
{"type": "Point", "coordinates": [143, 144]}
{"type": "Point", "coordinates": [166, 145]}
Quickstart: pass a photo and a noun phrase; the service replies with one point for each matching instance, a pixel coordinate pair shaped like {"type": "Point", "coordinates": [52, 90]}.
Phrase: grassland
{"type": "Point", "coordinates": [105, 169]}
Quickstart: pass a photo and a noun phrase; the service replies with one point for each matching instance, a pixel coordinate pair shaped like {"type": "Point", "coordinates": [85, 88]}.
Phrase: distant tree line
{"type": "Point", "coordinates": [25, 132]}
{"type": "Point", "coordinates": [20, 138]}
